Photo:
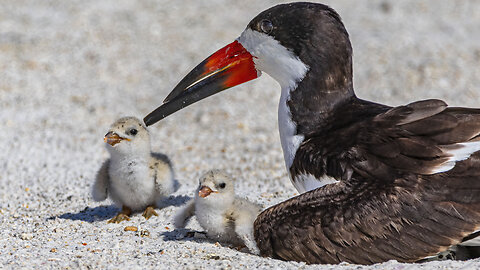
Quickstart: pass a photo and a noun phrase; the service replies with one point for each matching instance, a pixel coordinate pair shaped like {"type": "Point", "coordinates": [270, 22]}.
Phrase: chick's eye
{"type": "Point", "coordinates": [133, 131]}
{"type": "Point", "coordinates": [222, 185]}
{"type": "Point", "coordinates": [266, 26]}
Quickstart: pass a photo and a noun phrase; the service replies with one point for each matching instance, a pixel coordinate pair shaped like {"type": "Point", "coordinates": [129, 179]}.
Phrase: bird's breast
{"type": "Point", "coordinates": [212, 218]}
{"type": "Point", "coordinates": [132, 183]}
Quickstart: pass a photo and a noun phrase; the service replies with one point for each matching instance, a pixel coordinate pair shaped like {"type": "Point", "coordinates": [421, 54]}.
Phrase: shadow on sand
{"type": "Point", "coordinates": [198, 237]}
{"type": "Point", "coordinates": [182, 234]}
{"type": "Point", "coordinates": [88, 214]}
{"type": "Point", "coordinates": [101, 213]}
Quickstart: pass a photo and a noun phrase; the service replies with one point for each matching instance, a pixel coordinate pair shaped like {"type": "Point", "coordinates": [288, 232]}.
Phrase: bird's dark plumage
{"type": "Point", "coordinates": [388, 205]}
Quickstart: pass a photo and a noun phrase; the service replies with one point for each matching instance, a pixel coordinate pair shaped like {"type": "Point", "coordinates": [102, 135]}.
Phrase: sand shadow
{"type": "Point", "coordinates": [174, 201]}
{"type": "Point", "coordinates": [90, 215]}
{"type": "Point", "coordinates": [101, 213]}
{"type": "Point", "coordinates": [183, 234]}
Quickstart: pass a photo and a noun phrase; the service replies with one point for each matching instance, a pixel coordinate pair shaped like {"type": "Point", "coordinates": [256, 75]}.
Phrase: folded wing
{"type": "Point", "coordinates": [410, 188]}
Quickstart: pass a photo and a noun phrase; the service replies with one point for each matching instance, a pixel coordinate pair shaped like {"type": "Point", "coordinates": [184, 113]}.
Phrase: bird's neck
{"type": "Point", "coordinates": [325, 88]}
{"type": "Point", "coordinates": [308, 105]}
{"type": "Point", "coordinates": [215, 204]}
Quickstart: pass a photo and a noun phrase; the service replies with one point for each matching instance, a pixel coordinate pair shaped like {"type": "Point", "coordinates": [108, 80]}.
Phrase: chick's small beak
{"type": "Point", "coordinates": [113, 138]}
{"type": "Point", "coordinates": [205, 191]}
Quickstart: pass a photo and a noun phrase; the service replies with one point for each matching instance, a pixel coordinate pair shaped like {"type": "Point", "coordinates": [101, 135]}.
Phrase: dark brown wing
{"type": "Point", "coordinates": [402, 195]}
{"type": "Point", "coordinates": [416, 138]}
{"type": "Point", "coordinates": [419, 138]}
{"type": "Point", "coordinates": [366, 222]}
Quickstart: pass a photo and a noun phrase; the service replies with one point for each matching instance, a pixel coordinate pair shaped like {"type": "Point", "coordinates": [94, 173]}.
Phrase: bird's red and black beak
{"type": "Point", "coordinates": [229, 66]}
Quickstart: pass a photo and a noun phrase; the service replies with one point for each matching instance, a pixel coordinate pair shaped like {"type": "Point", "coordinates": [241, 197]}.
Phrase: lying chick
{"type": "Point", "coordinates": [224, 217]}
{"type": "Point", "coordinates": [134, 178]}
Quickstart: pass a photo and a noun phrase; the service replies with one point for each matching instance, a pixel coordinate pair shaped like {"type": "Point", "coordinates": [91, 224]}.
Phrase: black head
{"type": "Point", "coordinates": [299, 26]}
{"type": "Point", "coordinates": [294, 42]}
{"type": "Point", "coordinates": [315, 33]}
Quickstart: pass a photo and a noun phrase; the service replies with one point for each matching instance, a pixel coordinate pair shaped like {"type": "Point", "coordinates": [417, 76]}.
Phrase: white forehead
{"type": "Point", "coordinates": [273, 58]}
{"type": "Point", "coordinates": [216, 176]}
{"type": "Point", "coordinates": [128, 122]}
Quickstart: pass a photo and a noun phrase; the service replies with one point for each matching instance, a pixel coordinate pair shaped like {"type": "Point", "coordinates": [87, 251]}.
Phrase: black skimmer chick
{"type": "Point", "coordinates": [134, 178]}
{"type": "Point", "coordinates": [224, 216]}
{"type": "Point", "coordinates": [380, 182]}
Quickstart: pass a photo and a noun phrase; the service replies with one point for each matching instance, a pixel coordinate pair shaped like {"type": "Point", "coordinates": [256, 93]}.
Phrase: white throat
{"type": "Point", "coordinates": [287, 69]}
{"type": "Point", "coordinates": [287, 129]}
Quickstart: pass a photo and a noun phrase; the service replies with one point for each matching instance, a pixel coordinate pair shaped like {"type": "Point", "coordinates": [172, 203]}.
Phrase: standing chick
{"type": "Point", "coordinates": [224, 217]}
{"type": "Point", "coordinates": [134, 178]}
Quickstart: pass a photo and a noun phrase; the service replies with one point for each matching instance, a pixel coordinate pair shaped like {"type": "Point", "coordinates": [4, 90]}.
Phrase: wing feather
{"type": "Point", "coordinates": [316, 229]}
{"type": "Point", "coordinates": [102, 182]}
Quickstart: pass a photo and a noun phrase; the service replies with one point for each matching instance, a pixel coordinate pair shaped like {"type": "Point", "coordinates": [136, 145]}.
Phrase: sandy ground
{"type": "Point", "coordinates": [68, 69]}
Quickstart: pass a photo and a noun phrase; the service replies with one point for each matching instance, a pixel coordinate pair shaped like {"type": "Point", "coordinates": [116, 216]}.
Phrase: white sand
{"type": "Point", "coordinates": [68, 69]}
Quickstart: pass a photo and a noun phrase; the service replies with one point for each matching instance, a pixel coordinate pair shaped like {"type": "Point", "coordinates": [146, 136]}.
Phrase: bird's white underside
{"type": "Point", "coordinates": [132, 185]}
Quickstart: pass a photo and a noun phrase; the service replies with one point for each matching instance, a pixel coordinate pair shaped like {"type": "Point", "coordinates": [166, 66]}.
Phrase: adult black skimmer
{"type": "Point", "coordinates": [380, 182]}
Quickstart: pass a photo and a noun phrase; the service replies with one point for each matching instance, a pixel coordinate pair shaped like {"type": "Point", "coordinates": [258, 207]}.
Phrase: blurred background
{"type": "Point", "coordinates": [68, 69]}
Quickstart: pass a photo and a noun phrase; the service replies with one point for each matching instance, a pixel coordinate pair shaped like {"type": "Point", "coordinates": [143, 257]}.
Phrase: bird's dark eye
{"type": "Point", "coordinates": [222, 185]}
{"type": "Point", "coordinates": [133, 131]}
{"type": "Point", "coordinates": [266, 26]}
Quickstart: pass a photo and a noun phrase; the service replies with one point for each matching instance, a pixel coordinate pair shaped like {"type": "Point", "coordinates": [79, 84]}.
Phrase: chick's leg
{"type": "Point", "coordinates": [123, 215]}
{"type": "Point", "coordinates": [149, 212]}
